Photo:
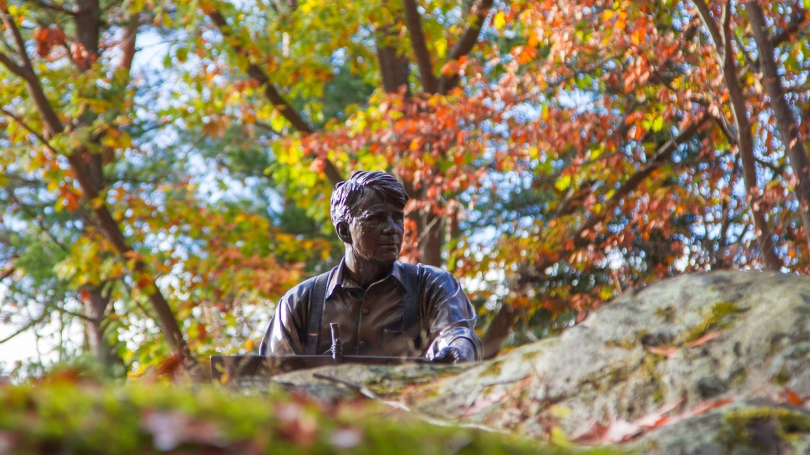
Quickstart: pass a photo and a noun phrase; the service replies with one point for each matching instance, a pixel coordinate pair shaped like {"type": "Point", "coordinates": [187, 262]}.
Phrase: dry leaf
{"type": "Point", "coordinates": [704, 339]}
{"type": "Point", "coordinates": [482, 403]}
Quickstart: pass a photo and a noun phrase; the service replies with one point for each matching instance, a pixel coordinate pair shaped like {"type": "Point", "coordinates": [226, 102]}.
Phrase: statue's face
{"type": "Point", "coordinates": [377, 229]}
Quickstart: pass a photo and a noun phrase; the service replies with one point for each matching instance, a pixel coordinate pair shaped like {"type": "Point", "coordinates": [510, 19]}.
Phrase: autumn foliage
{"type": "Point", "coordinates": [167, 165]}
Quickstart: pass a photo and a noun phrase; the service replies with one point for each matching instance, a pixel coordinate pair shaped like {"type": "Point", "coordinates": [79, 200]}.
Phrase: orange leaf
{"type": "Point", "coordinates": [793, 397]}
{"type": "Point", "coordinates": [703, 340]}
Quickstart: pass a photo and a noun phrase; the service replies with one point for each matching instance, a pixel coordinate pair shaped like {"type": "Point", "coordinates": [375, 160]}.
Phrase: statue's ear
{"type": "Point", "coordinates": [343, 232]}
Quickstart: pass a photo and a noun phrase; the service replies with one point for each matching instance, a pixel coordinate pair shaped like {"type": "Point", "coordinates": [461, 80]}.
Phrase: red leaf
{"type": "Point", "coordinates": [47, 38]}
{"type": "Point", "coordinates": [793, 398]}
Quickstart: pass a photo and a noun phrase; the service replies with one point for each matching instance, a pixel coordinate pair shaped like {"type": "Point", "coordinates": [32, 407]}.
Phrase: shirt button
{"type": "Point", "coordinates": [365, 310]}
{"type": "Point", "coordinates": [362, 344]}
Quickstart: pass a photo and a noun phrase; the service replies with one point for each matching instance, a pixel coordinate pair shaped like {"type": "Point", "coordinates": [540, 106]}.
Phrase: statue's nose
{"type": "Point", "coordinates": [391, 226]}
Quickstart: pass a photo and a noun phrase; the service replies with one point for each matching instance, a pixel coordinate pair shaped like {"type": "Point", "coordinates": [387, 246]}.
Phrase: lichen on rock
{"type": "Point", "coordinates": [686, 340]}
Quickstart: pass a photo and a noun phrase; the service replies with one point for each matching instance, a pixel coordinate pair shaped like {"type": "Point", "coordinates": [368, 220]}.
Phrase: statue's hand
{"type": "Point", "coordinates": [450, 354]}
{"type": "Point", "coordinates": [460, 350]}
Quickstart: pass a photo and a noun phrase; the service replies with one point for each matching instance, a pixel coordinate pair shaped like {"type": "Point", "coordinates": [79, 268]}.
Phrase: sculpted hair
{"type": "Point", "coordinates": [346, 194]}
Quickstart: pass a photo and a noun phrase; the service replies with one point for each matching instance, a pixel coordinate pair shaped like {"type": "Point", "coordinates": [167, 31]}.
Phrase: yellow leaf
{"type": "Point", "coordinates": [563, 183]}
{"type": "Point", "coordinates": [499, 21]}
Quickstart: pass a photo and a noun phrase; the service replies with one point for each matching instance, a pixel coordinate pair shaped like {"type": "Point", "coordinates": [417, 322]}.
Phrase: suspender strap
{"type": "Point", "coordinates": [411, 300]}
{"type": "Point", "coordinates": [316, 302]}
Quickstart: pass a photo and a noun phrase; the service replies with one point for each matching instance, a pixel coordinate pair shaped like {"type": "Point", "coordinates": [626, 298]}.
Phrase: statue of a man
{"type": "Point", "coordinates": [384, 307]}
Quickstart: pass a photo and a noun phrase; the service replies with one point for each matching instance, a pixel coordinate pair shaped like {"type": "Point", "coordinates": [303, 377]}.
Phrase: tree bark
{"type": "Point", "coordinates": [786, 122]}
{"type": "Point", "coordinates": [91, 191]}
{"type": "Point", "coordinates": [745, 143]}
{"type": "Point", "coordinates": [94, 310]}
{"type": "Point", "coordinates": [465, 43]}
{"type": "Point", "coordinates": [394, 68]}
{"type": "Point", "coordinates": [420, 51]}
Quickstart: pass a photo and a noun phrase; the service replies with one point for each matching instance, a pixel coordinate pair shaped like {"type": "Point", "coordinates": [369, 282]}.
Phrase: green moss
{"type": "Point", "coordinates": [788, 421]}
{"type": "Point", "coordinates": [394, 382]}
{"type": "Point", "coordinates": [602, 380]}
{"type": "Point", "coordinates": [782, 377]}
{"type": "Point", "coordinates": [529, 356]}
{"type": "Point", "coordinates": [492, 369]}
{"type": "Point", "coordinates": [69, 417]}
{"type": "Point", "coordinates": [667, 313]}
{"type": "Point", "coordinates": [719, 317]}
{"type": "Point", "coordinates": [650, 368]}
{"type": "Point", "coordinates": [737, 377]}
{"type": "Point", "coordinates": [624, 344]}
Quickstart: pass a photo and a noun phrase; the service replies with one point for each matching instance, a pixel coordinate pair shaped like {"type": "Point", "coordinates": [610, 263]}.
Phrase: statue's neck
{"type": "Point", "coordinates": [364, 272]}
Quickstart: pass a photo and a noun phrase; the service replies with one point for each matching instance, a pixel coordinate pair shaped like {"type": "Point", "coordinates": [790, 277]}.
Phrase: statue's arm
{"type": "Point", "coordinates": [284, 335]}
{"type": "Point", "coordinates": [450, 317]}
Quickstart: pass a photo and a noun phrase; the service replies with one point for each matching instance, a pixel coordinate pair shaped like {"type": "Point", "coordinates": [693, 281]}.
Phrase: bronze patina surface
{"type": "Point", "coordinates": [382, 306]}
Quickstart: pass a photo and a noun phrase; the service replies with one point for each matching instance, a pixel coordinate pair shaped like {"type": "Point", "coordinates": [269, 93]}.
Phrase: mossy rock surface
{"type": "Point", "coordinates": [691, 339]}
{"type": "Point", "coordinates": [68, 416]}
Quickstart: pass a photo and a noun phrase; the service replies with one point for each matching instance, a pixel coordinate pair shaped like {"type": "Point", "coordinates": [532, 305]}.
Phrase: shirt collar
{"type": "Point", "coordinates": [337, 277]}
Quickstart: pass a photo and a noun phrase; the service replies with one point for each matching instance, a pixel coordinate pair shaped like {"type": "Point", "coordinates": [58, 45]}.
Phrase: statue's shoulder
{"type": "Point", "coordinates": [431, 273]}
{"type": "Point", "coordinates": [300, 292]}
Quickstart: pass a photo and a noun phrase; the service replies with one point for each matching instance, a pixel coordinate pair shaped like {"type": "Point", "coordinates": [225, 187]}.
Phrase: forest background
{"type": "Point", "coordinates": [167, 166]}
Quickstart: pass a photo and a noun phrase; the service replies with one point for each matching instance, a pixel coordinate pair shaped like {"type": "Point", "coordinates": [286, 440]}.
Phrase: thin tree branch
{"type": "Point", "coordinates": [14, 67]}
{"type": "Point", "coordinates": [661, 156]}
{"type": "Point", "coordinates": [25, 126]}
{"type": "Point", "coordinates": [725, 57]}
{"type": "Point", "coordinates": [711, 26]}
{"type": "Point", "coordinates": [18, 39]}
{"type": "Point", "coordinates": [27, 326]}
{"type": "Point", "coordinates": [777, 170]}
{"type": "Point", "coordinates": [797, 23]}
{"type": "Point", "coordinates": [259, 75]}
{"type": "Point", "coordinates": [420, 50]}
{"type": "Point", "coordinates": [7, 273]}
{"type": "Point", "coordinates": [786, 122]}
{"type": "Point", "coordinates": [128, 48]}
{"type": "Point", "coordinates": [37, 220]}
{"type": "Point", "coordinates": [58, 8]}
{"type": "Point", "coordinates": [466, 43]}
{"type": "Point", "coordinates": [271, 93]}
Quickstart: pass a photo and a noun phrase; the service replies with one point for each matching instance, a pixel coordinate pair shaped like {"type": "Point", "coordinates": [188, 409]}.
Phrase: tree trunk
{"type": "Point", "coordinates": [394, 67]}
{"type": "Point", "coordinates": [745, 143]}
{"type": "Point", "coordinates": [785, 120]}
{"type": "Point", "coordinates": [94, 309]}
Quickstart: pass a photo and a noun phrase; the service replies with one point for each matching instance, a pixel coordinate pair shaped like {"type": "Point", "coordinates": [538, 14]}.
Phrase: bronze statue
{"type": "Point", "coordinates": [382, 307]}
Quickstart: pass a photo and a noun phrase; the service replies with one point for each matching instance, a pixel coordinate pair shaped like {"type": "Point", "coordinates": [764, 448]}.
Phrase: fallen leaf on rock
{"type": "Point", "coordinates": [703, 339]}
{"type": "Point", "coordinates": [482, 403]}
{"type": "Point", "coordinates": [792, 398]}
{"type": "Point", "coordinates": [620, 430]}
{"type": "Point", "coordinates": [707, 406]}
{"type": "Point", "coordinates": [591, 432]}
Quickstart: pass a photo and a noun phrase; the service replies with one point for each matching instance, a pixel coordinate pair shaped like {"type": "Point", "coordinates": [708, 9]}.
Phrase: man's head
{"type": "Point", "coordinates": [367, 212]}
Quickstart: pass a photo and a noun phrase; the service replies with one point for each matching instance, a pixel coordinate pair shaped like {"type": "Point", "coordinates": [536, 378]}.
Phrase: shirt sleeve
{"type": "Point", "coordinates": [283, 336]}
{"type": "Point", "coordinates": [449, 313]}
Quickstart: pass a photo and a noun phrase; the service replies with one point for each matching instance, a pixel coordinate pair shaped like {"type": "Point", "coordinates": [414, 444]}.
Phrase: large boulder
{"type": "Point", "coordinates": [699, 364]}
